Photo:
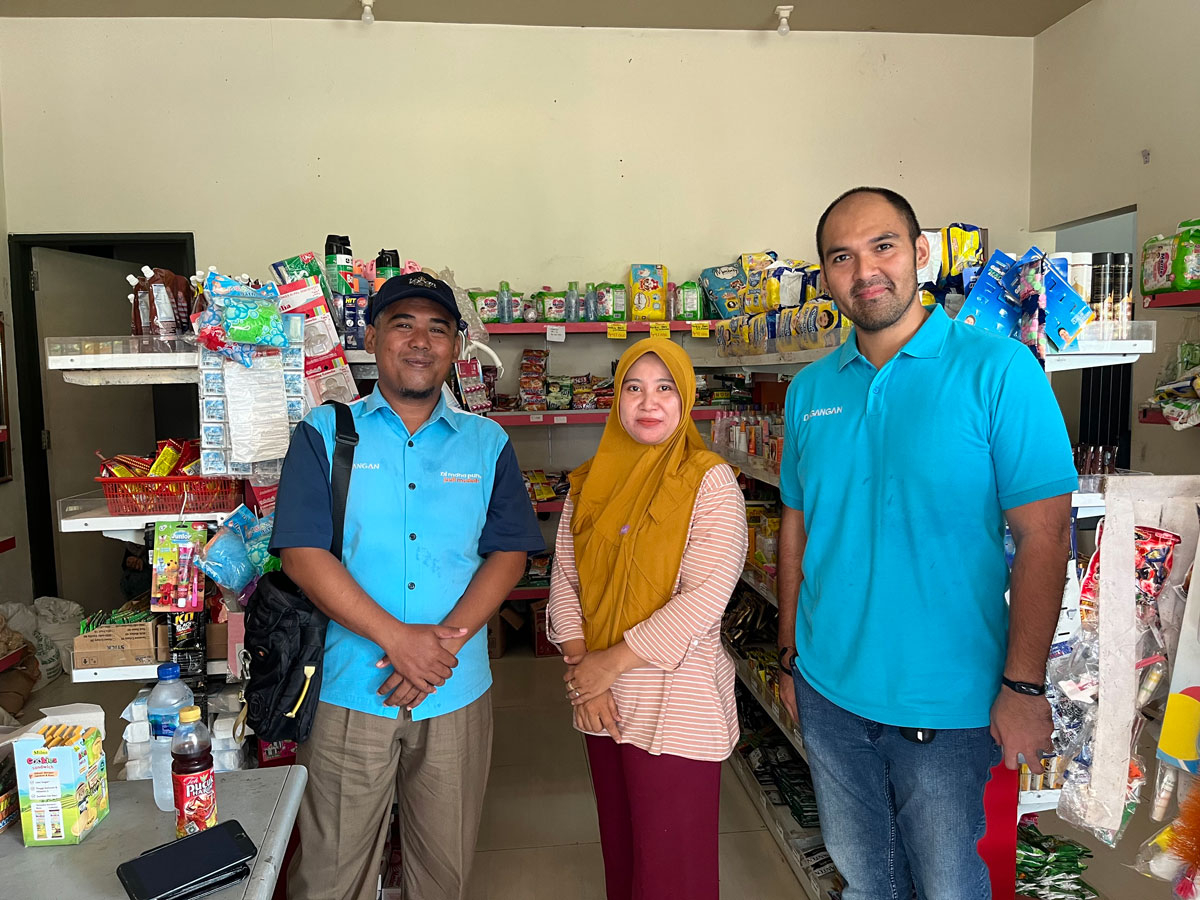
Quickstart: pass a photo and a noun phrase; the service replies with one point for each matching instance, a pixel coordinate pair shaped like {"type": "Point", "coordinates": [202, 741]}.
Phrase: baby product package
{"type": "Point", "coordinates": [1187, 256]}
{"type": "Point", "coordinates": [723, 286]}
{"type": "Point", "coordinates": [1158, 263]}
{"type": "Point", "coordinates": [753, 294]}
{"type": "Point", "coordinates": [648, 292]}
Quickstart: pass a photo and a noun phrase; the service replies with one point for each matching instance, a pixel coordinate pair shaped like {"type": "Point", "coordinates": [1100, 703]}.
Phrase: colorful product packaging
{"type": "Point", "coordinates": [554, 306]}
{"type": "Point", "coordinates": [753, 294]}
{"type": "Point", "coordinates": [355, 312]}
{"type": "Point", "coordinates": [1187, 256]}
{"type": "Point", "coordinates": [304, 266]}
{"type": "Point", "coordinates": [177, 583]}
{"type": "Point", "coordinates": [62, 775]}
{"type": "Point", "coordinates": [1158, 263]}
{"type": "Point", "coordinates": [648, 290]}
{"type": "Point", "coordinates": [612, 301]}
{"type": "Point", "coordinates": [486, 305]}
{"type": "Point", "coordinates": [691, 302]}
{"type": "Point", "coordinates": [723, 286]}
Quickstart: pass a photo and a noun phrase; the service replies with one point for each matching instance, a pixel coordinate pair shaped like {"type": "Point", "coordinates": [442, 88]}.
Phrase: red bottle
{"type": "Point", "coordinates": [192, 775]}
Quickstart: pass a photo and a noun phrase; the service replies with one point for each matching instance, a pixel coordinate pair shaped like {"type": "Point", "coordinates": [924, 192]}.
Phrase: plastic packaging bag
{"type": "Point", "coordinates": [58, 620]}
{"type": "Point", "coordinates": [256, 322]}
{"type": "Point", "coordinates": [224, 560]}
{"type": "Point", "coordinates": [1158, 263]}
{"type": "Point", "coordinates": [1187, 256]}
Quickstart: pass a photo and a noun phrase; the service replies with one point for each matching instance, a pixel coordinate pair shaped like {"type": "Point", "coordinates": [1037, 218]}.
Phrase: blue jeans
{"type": "Point", "coordinates": [897, 815]}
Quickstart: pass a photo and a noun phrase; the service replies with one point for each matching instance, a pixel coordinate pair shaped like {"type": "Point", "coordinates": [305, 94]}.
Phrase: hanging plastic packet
{"type": "Point", "coordinates": [210, 333]}
{"type": "Point", "coordinates": [258, 545]}
{"type": "Point", "coordinates": [257, 405]}
{"type": "Point", "coordinates": [296, 268]}
{"type": "Point", "coordinates": [1154, 557]}
{"type": "Point", "coordinates": [257, 322]}
{"type": "Point", "coordinates": [1158, 263]}
{"type": "Point", "coordinates": [224, 560]}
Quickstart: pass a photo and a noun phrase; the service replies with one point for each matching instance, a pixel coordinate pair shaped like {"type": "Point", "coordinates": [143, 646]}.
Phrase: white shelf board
{"type": "Point", "coordinates": [148, 672]}
{"type": "Point", "coordinates": [1088, 506]}
{"type": "Point", "coordinates": [1063, 362]}
{"type": "Point", "coordinates": [752, 466]}
{"type": "Point", "coordinates": [778, 716]}
{"type": "Point", "coordinates": [784, 829]}
{"type": "Point", "coordinates": [120, 353]}
{"type": "Point", "coordinates": [766, 361]}
{"type": "Point", "coordinates": [1037, 801]}
{"type": "Point", "coordinates": [89, 512]}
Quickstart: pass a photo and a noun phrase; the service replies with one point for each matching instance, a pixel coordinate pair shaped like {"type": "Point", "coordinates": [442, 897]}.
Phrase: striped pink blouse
{"type": "Point", "coordinates": [682, 702]}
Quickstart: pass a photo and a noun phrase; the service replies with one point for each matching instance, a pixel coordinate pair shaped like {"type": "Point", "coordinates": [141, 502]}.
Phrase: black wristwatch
{"type": "Point", "coordinates": [784, 663]}
{"type": "Point", "coordinates": [1024, 687]}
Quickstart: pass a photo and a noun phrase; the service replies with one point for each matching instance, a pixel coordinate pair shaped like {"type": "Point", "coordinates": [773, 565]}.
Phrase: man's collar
{"type": "Point", "coordinates": [927, 343]}
{"type": "Point", "coordinates": [375, 401]}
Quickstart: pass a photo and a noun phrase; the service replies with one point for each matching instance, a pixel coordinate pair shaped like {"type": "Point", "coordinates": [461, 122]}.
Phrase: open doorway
{"type": "Point", "coordinates": [68, 285]}
{"type": "Point", "coordinates": [1097, 403]}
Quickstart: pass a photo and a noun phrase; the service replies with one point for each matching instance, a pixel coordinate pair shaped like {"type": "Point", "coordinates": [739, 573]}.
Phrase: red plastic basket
{"type": "Point", "coordinates": [176, 494]}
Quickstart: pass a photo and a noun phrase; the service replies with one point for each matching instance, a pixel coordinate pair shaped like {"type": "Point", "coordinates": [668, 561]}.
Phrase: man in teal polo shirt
{"type": "Point", "coordinates": [438, 524]}
{"type": "Point", "coordinates": [905, 451]}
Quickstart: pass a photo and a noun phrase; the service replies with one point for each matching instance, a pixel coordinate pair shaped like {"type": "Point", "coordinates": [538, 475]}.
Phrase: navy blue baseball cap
{"type": "Point", "coordinates": [416, 284]}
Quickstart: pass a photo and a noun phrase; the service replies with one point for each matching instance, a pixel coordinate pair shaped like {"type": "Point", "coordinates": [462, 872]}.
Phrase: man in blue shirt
{"type": "Point", "coordinates": [905, 451]}
{"type": "Point", "coordinates": [438, 525]}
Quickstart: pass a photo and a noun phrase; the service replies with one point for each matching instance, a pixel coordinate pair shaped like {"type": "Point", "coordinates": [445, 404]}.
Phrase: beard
{"type": "Point", "coordinates": [414, 394]}
{"type": "Point", "coordinates": [883, 311]}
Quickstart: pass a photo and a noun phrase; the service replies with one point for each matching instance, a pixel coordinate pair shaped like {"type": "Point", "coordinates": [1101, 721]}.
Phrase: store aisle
{"type": "Point", "coordinates": [539, 838]}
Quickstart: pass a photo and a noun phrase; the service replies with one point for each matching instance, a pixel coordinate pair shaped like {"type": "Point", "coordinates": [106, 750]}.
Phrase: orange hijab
{"type": "Point", "coordinates": [633, 507]}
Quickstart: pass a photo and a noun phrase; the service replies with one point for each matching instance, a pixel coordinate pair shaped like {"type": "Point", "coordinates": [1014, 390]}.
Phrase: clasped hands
{"type": "Point", "coordinates": [422, 658]}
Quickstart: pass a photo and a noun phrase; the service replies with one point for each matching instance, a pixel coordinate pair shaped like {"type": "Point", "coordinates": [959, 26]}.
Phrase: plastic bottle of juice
{"type": "Point", "coordinates": [163, 706]}
{"type": "Point", "coordinates": [192, 777]}
{"type": "Point", "coordinates": [504, 303]}
{"type": "Point", "coordinates": [572, 301]}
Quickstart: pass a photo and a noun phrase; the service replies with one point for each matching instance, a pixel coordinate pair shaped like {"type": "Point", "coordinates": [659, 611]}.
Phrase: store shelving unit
{"type": "Point", "coordinates": [89, 512]}
{"type": "Point", "coordinates": [148, 672]}
{"type": "Point", "coordinates": [123, 360]}
{"type": "Point", "coordinates": [586, 327]}
{"type": "Point", "coordinates": [778, 714]}
{"type": "Point", "coordinates": [757, 579]}
{"type": "Point", "coordinates": [1037, 801]}
{"type": "Point", "coordinates": [579, 416]}
{"type": "Point", "coordinates": [787, 833]}
{"type": "Point", "coordinates": [1171, 300]}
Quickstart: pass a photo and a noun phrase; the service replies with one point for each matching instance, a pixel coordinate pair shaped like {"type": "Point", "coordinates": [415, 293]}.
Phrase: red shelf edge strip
{"type": "Point", "coordinates": [8, 543]}
{"type": "Point", "coordinates": [1171, 300]}
{"type": "Point", "coordinates": [581, 327]}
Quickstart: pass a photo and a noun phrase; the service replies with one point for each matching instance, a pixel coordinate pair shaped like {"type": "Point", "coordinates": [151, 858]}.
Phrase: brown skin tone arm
{"type": "Point", "coordinates": [790, 555]}
{"type": "Point", "coordinates": [1021, 724]}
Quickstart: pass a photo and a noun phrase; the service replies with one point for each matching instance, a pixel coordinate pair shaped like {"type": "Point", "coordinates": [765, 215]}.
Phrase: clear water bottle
{"type": "Point", "coordinates": [163, 706]}
{"type": "Point", "coordinates": [572, 301]}
{"type": "Point", "coordinates": [504, 303]}
{"type": "Point", "coordinates": [591, 304]}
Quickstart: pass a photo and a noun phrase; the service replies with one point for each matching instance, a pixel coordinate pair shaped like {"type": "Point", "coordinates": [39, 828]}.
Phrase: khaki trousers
{"type": "Point", "coordinates": [356, 764]}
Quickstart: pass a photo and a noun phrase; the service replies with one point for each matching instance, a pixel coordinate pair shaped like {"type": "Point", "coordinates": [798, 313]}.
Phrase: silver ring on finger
{"type": "Point", "coordinates": [576, 694]}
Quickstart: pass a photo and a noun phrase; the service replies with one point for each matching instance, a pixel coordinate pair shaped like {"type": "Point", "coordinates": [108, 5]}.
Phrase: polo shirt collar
{"type": "Point", "coordinates": [376, 401]}
{"type": "Point", "coordinates": [927, 343]}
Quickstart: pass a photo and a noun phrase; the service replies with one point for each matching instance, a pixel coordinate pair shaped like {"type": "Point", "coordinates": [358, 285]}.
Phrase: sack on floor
{"type": "Point", "coordinates": [58, 620]}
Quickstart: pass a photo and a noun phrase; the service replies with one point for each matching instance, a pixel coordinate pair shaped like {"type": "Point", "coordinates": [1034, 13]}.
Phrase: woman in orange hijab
{"type": "Point", "coordinates": [650, 546]}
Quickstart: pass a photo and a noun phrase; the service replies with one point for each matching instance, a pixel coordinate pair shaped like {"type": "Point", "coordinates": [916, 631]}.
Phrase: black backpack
{"type": "Point", "coordinates": [285, 632]}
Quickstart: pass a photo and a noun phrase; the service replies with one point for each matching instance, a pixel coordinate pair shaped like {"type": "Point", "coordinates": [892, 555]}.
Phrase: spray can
{"type": "Point", "coordinates": [339, 264]}
{"type": "Point", "coordinates": [387, 264]}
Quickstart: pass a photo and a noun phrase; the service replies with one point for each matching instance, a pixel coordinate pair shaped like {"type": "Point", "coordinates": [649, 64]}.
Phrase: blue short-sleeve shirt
{"type": "Point", "coordinates": [422, 512]}
{"type": "Point", "coordinates": [903, 475]}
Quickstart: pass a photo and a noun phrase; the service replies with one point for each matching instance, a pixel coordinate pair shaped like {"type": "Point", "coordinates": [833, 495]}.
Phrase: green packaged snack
{"type": "Point", "coordinates": [1187, 256]}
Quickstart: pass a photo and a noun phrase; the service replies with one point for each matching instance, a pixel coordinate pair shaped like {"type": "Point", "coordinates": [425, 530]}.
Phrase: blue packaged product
{"type": "Point", "coordinates": [723, 286]}
{"type": "Point", "coordinates": [224, 559]}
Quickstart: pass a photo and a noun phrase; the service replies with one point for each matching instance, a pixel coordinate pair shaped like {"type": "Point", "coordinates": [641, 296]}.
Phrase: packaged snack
{"type": "Point", "coordinates": [648, 290]}
{"type": "Point", "coordinates": [558, 393]}
{"type": "Point", "coordinates": [723, 285]}
{"type": "Point", "coordinates": [1153, 559]}
{"type": "Point", "coordinates": [304, 266]}
{"type": "Point", "coordinates": [583, 399]}
{"type": "Point", "coordinates": [1158, 263]}
{"type": "Point", "coordinates": [533, 362]}
{"type": "Point", "coordinates": [62, 783]}
{"type": "Point", "coordinates": [167, 460]}
{"type": "Point", "coordinates": [1187, 256]}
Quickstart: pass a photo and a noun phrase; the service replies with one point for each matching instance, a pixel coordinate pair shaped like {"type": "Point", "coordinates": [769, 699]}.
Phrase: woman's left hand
{"type": "Point", "coordinates": [590, 675]}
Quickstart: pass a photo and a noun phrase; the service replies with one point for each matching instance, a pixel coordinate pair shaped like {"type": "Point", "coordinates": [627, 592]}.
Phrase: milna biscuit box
{"type": "Point", "coordinates": [62, 775]}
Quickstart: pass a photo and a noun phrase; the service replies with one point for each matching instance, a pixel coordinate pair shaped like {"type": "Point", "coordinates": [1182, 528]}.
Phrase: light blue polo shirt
{"type": "Point", "coordinates": [422, 512]}
{"type": "Point", "coordinates": [903, 475]}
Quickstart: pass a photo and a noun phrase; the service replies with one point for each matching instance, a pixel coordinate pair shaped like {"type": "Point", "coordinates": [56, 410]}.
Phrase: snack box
{"type": "Point", "coordinates": [62, 775]}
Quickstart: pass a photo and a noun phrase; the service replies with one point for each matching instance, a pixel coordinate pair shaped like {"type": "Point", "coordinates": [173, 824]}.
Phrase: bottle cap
{"type": "Point", "coordinates": [167, 671]}
{"type": "Point", "coordinates": [132, 279]}
{"type": "Point", "coordinates": [504, 286]}
{"type": "Point", "coordinates": [572, 285]}
{"type": "Point", "coordinates": [189, 714]}
{"type": "Point", "coordinates": [147, 271]}
{"type": "Point", "coordinates": [591, 286]}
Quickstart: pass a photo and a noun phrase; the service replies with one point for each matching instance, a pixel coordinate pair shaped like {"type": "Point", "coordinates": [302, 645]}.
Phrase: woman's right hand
{"type": "Point", "coordinates": [599, 714]}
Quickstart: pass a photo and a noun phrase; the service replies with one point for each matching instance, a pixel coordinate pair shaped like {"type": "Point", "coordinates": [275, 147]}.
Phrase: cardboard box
{"type": "Point", "coordinates": [541, 643]}
{"type": "Point", "coordinates": [216, 638]}
{"type": "Point", "coordinates": [62, 775]}
{"type": "Point", "coordinates": [116, 645]}
{"type": "Point", "coordinates": [497, 640]}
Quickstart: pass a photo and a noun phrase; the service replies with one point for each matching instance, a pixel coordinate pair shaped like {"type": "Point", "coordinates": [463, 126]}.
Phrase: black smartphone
{"type": "Point", "coordinates": [170, 870]}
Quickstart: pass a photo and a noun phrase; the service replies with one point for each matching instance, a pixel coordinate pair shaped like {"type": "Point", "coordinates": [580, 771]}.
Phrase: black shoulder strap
{"type": "Point", "coordinates": [343, 465]}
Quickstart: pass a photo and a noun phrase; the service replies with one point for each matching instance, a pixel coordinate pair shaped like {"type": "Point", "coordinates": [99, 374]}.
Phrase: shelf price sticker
{"type": "Point", "coordinates": [616, 331]}
{"type": "Point", "coordinates": [556, 333]}
{"type": "Point", "coordinates": [700, 329]}
{"type": "Point", "coordinates": [660, 330]}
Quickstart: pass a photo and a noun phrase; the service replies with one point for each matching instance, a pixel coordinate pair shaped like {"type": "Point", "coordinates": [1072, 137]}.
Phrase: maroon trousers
{"type": "Point", "coordinates": [658, 822]}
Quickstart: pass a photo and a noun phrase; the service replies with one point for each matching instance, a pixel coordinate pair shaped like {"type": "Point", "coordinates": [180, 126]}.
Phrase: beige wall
{"type": "Point", "coordinates": [533, 154]}
{"type": "Point", "coordinates": [15, 580]}
{"type": "Point", "coordinates": [1110, 80]}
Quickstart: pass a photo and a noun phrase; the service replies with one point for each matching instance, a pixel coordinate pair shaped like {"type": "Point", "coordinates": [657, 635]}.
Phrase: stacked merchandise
{"type": "Point", "coordinates": [545, 488]}
{"type": "Point", "coordinates": [1050, 868]}
{"type": "Point", "coordinates": [1177, 391]}
{"type": "Point", "coordinates": [956, 255]}
{"type": "Point", "coordinates": [1172, 263]}
{"type": "Point", "coordinates": [751, 433]}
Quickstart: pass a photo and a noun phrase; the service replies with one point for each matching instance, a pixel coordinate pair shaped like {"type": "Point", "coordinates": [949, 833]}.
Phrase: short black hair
{"type": "Point", "coordinates": [901, 206]}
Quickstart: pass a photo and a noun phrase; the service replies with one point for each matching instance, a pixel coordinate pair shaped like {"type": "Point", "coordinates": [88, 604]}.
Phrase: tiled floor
{"type": "Point", "coordinates": [539, 839]}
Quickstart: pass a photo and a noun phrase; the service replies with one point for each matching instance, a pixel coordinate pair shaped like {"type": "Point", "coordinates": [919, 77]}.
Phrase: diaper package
{"type": "Point", "coordinates": [814, 326]}
{"type": "Point", "coordinates": [648, 292]}
{"type": "Point", "coordinates": [1187, 256]}
{"type": "Point", "coordinates": [753, 294]}
{"type": "Point", "coordinates": [723, 286]}
{"type": "Point", "coordinates": [1158, 263]}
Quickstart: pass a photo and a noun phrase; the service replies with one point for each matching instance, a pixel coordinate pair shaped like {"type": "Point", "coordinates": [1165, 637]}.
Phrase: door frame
{"type": "Point", "coordinates": [27, 356]}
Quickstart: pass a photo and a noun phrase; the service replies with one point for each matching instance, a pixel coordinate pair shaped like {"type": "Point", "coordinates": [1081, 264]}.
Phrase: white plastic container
{"type": "Point", "coordinates": [169, 696]}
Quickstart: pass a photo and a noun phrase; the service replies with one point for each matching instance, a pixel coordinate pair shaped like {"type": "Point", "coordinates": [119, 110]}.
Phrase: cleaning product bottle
{"type": "Point", "coordinates": [591, 304]}
{"type": "Point", "coordinates": [192, 777]}
{"type": "Point", "coordinates": [572, 301]}
{"type": "Point", "coordinates": [387, 264]}
{"type": "Point", "coordinates": [169, 696]}
{"type": "Point", "coordinates": [504, 306]}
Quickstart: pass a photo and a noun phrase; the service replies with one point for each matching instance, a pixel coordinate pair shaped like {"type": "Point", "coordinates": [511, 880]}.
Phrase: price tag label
{"type": "Point", "coordinates": [556, 333]}
{"type": "Point", "coordinates": [660, 330]}
{"type": "Point", "coordinates": [560, 420]}
{"type": "Point", "coordinates": [536, 418]}
{"type": "Point", "coordinates": [700, 329]}
{"type": "Point", "coordinates": [616, 331]}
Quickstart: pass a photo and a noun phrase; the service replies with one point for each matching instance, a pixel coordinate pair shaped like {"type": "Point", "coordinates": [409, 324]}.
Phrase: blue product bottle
{"type": "Point", "coordinates": [591, 304]}
{"type": "Point", "coordinates": [572, 301]}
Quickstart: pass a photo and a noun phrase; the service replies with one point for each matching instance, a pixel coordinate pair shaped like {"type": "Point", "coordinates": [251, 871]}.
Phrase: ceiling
{"type": "Point", "coordinates": [1020, 18]}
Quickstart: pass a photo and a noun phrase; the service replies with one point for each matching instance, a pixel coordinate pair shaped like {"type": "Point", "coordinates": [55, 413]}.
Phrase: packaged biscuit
{"type": "Point", "coordinates": [558, 393]}
{"type": "Point", "coordinates": [62, 784]}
